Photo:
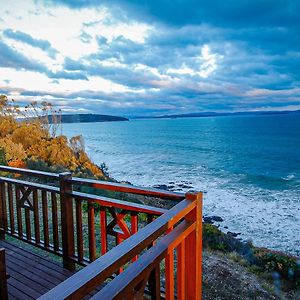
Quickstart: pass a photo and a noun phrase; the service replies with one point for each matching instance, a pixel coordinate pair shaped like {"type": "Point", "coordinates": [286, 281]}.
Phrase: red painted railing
{"type": "Point", "coordinates": [144, 248]}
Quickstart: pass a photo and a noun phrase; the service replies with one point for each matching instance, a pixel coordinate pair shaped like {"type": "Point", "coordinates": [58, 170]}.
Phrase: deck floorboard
{"type": "Point", "coordinates": [31, 275]}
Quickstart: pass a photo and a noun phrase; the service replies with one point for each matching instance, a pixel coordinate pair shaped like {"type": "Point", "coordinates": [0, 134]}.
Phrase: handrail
{"type": "Point", "coordinates": [126, 188]}
{"type": "Point", "coordinates": [128, 279]}
{"type": "Point", "coordinates": [57, 218]}
{"type": "Point", "coordinates": [110, 202]}
{"type": "Point", "coordinates": [29, 172]}
{"type": "Point", "coordinates": [112, 186]}
{"type": "Point", "coordinates": [32, 185]}
{"type": "Point", "coordinates": [97, 272]}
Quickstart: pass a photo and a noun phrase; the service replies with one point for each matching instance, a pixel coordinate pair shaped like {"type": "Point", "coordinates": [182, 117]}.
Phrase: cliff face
{"type": "Point", "coordinates": [88, 118]}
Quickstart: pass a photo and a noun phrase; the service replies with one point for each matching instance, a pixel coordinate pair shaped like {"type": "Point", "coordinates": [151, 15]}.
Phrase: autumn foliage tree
{"type": "Point", "coordinates": [29, 136]}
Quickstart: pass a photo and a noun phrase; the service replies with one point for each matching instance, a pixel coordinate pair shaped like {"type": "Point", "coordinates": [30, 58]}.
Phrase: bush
{"type": "Point", "coordinates": [278, 263]}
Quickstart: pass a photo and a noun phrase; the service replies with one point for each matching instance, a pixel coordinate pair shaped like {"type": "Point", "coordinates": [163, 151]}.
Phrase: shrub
{"type": "Point", "coordinates": [275, 262]}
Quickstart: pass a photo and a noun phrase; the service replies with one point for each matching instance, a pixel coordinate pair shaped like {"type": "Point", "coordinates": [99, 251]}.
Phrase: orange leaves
{"type": "Point", "coordinates": [34, 139]}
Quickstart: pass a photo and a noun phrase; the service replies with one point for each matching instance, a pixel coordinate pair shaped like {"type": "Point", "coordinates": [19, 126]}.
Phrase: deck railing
{"type": "Point", "coordinates": [141, 246]}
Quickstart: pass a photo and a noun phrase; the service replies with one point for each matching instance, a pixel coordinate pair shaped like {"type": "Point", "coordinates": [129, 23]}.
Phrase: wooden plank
{"type": "Point", "coordinates": [19, 212]}
{"type": "Point", "coordinates": [28, 278]}
{"type": "Point", "coordinates": [3, 204]}
{"type": "Point", "coordinates": [134, 228]}
{"type": "Point", "coordinates": [45, 218]}
{"type": "Point", "coordinates": [11, 208]}
{"type": "Point", "coordinates": [54, 222]}
{"type": "Point", "coordinates": [2, 212]}
{"type": "Point", "coordinates": [36, 216]}
{"type": "Point", "coordinates": [28, 172]}
{"type": "Point", "coordinates": [31, 185]}
{"type": "Point", "coordinates": [169, 272]}
{"type": "Point", "coordinates": [3, 277]}
{"type": "Point", "coordinates": [79, 230]}
{"type": "Point", "coordinates": [28, 224]}
{"type": "Point", "coordinates": [126, 188]}
{"type": "Point", "coordinates": [67, 221]}
{"type": "Point", "coordinates": [181, 271]}
{"type": "Point", "coordinates": [16, 293]}
{"type": "Point", "coordinates": [193, 249]}
{"type": "Point", "coordinates": [35, 259]}
{"type": "Point", "coordinates": [91, 230]}
{"type": "Point", "coordinates": [14, 269]}
{"type": "Point", "coordinates": [123, 285]}
{"type": "Point", "coordinates": [96, 273]}
{"type": "Point", "coordinates": [154, 283]}
{"type": "Point", "coordinates": [26, 290]}
{"type": "Point", "coordinates": [103, 225]}
{"type": "Point", "coordinates": [109, 202]}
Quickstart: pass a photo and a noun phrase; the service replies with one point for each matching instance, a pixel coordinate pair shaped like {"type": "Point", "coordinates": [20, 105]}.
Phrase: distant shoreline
{"type": "Point", "coordinates": [216, 114]}
{"type": "Point", "coordinates": [88, 118]}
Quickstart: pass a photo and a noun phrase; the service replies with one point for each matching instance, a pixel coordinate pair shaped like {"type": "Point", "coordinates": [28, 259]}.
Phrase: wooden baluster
{"type": "Point", "coordinates": [28, 225]}
{"type": "Point", "coordinates": [11, 208]}
{"type": "Point", "coordinates": [181, 271]}
{"type": "Point", "coordinates": [36, 217]}
{"type": "Point", "coordinates": [170, 276]}
{"type": "Point", "coordinates": [3, 212]}
{"type": "Point", "coordinates": [79, 230]}
{"type": "Point", "coordinates": [3, 276]}
{"type": "Point", "coordinates": [54, 222]}
{"type": "Point", "coordinates": [134, 227]}
{"type": "Point", "coordinates": [45, 218]}
{"type": "Point", "coordinates": [103, 225]}
{"type": "Point", "coordinates": [19, 212]}
{"type": "Point", "coordinates": [193, 251]}
{"type": "Point", "coordinates": [67, 221]}
{"type": "Point", "coordinates": [154, 283]}
{"type": "Point", "coordinates": [91, 229]}
{"type": "Point", "coordinates": [154, 278]}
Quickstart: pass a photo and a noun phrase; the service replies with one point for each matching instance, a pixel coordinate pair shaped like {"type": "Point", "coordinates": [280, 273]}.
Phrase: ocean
{"type": "Point", "coordinates": [248, 167]}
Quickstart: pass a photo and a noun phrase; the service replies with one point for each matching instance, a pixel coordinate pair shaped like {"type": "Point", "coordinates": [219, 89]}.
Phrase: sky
{"type": "Point", "coordinates": [151, 57]}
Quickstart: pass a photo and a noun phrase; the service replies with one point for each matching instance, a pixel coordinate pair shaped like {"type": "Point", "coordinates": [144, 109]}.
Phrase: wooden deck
{"type": "Point", "coordinates": [30, 275]}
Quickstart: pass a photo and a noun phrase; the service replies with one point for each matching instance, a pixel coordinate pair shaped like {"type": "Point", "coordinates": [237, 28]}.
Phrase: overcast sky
{"type": "Point", "coordinates": [152, 57]}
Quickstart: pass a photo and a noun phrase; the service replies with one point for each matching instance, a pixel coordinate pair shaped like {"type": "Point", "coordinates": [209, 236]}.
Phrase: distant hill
{"type": "Point", "coordinates": [216, 114]}
{"type": "Point", "coordinates": [88, 118]}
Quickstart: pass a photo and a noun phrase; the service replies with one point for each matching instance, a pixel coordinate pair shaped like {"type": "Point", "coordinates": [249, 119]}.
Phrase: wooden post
{"type": "Point", "coordinates": [193, 251]}
{"type": "Point", "coordinates": [3, 276]}
{"type": "Point", "coordinates": [2, 210]}
{"type": "Point", "coordinates": [67, 222]}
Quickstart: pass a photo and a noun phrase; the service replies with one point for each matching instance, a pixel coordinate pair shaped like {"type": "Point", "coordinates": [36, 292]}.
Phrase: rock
{"type": "Point", "coordinates": [161, 186]}
{"type": "Point", "coordinates": [208, 220]}
{"type": "Point", "coordinates": [211, 219]}
{"type": "Point", "coordinates": [234, 234]}
{"type": "Point", "coordinates": [217, 219]}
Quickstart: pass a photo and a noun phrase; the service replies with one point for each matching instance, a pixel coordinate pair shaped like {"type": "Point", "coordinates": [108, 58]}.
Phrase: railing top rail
{"type": "Point", "coordinates": [112, 186]}
{"type": "Point", "coordinates": [35, 185]}
{"type": "Point", "coordinates": [28, 172]}
{"type": "Point", "coordinates": [110, 202]}
{"type": "Point", "coordinates": [97, 272]}
{"type": "Point", "coordinates": [128, 279]}
{"type": "Point", "coordinates": [126, 188]}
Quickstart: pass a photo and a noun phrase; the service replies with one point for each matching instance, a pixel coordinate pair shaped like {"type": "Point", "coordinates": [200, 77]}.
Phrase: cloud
{"type": "Point", "coordinates": [10, 58]}
{"type": "Point", "coordinates": [28, 39]}
{"type": "Point", "coordinates": [153, 57]}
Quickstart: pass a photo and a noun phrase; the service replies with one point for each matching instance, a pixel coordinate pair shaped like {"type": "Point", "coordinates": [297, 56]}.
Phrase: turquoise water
{"type": "Point", "coordinates": [249, 167]}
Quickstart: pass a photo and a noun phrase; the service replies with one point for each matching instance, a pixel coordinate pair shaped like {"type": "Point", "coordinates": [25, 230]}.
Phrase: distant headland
{"type": "Point", "coordinates": [220, 114]}
{"type": "Point", "coordinates": [88, 118]}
